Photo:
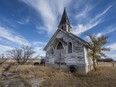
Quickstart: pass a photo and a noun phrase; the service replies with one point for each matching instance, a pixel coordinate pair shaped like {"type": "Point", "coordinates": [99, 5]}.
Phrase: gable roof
{"type": "Point", "coordinates": [54, 35]}
{"type": "Point", "coordinates": [83, 42]}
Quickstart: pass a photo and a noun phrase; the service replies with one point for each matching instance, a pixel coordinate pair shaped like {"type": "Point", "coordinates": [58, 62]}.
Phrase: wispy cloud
{"type": "Point", "coordinates": [108, 30]}
{"type": "Point", "coordinates": [112, 47]}
{"type": "Point", "coordinates": [4, 48]}
{"type": "Point", "coordinates": [12, 36]}
{"type": "Point", "coordinates": [84, 12]}
{"type": "Point", "coordinates": [41, 30]}
{"type": "Point", "coordinates": [112, 52]}
{"type": "Point", "coordinates": [23, 21]}
{"type": "Point", "coordinates": [91, 23]}
{"type": "Point", "coordinates": [38, 48]}
{"type": "Point", "coordinates": [81, 28]}
{"type": "Point", "coordinates": [49, 11]}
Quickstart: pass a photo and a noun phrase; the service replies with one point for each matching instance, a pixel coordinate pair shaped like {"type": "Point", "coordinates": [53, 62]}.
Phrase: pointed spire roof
{"type": "Point", "coordinates": [64, 18]}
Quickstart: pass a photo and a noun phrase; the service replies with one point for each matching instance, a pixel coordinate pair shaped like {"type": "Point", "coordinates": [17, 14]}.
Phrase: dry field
{"type": "Point", "coordinates": [105, 76]}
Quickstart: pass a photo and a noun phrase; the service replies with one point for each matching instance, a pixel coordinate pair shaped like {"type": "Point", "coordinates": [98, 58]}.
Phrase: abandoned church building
{"type": "Point", "coordinates": [67, 48]}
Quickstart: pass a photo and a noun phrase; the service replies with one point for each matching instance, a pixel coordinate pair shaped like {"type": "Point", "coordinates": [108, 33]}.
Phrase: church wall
{"type": "Point", "coordinates": [56, 55]}
{"type": "Point", "coordinates": [77, 57]}
{"type": "Point", "coordinates": [88, 60]}
{"type": "Point", "coordinates": [49, 56]}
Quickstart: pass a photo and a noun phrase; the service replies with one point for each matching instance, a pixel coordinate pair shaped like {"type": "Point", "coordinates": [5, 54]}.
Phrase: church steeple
{"type": "Point", "coordinates": [65, 23]}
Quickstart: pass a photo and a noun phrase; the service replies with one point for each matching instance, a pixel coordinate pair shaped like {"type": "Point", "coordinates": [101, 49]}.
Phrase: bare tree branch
{"type": "Point", "coordinates": [21, 55]}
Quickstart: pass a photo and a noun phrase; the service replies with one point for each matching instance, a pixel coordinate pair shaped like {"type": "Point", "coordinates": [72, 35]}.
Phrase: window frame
{"type": "Point", "coordinates": [69, 47]}
{"type": "Point", "coordinates": [57, 46]}
{"type": "Point", "coordinates": [52, 51]}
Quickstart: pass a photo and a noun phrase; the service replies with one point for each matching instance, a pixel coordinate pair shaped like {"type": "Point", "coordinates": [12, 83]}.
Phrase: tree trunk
{"type": "Point", "coordinates": [94, 64]}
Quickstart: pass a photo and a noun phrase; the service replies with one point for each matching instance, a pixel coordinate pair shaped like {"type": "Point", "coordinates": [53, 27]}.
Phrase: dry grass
{"type": "Point", "coordinates": [1, 84]}
{"type": "Point", "coordinates": [30, 71]}
{"type": "Point", "coordinates": [105, 76]}
{"type": "Point", "coordinates": [107, 64]}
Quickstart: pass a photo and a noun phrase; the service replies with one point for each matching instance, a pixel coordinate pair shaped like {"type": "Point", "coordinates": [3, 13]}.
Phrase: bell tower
{"type": "Point", "coordinates": [64, 22]}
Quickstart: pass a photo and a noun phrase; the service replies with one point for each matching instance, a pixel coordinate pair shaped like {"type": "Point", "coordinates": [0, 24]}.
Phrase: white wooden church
{"type": "Point", "coordinates": [68, 48]}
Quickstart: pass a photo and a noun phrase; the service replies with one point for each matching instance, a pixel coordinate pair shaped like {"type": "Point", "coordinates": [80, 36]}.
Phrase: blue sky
{"type": "Point", "coordinates": [33, 22]}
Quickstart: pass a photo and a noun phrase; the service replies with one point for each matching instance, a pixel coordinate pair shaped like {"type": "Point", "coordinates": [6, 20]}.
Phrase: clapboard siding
{"type": "Point", "coordinates": [77, 55]}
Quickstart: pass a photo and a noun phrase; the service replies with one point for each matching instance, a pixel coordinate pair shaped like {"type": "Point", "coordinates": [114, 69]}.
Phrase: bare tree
{"type": "Point", "coordinates": [2, 59]}
{"type": "Point", "coordinates": [21, 55]}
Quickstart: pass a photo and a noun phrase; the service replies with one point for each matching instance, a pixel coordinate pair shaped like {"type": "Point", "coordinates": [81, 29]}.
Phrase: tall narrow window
{"type": "Point", "coordinates": [59, 46]}
{"type": "Point", "coordinates": [69, 47]}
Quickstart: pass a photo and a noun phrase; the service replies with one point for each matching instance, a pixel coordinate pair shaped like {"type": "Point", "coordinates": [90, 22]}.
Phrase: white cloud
{"type": "Point", "coordinates": [41, 30]}
{"type": "Point", "coordinates": [4, 48]}
{"type": "Point", "coordinates": [112, 47]}
{"type": "Point", "coordinates": [108, 30]}
{"type": "Point", "coordinates": [99, 34]}
{"type": "Point", "coordinates": [12, 36]}
{"type": "Point", "coordinates": [23, 21]}
{"type": "Point", "coordinates": [112, 52]}
{"type": "Point", "coordinates": [49, 11]}
{"type": "Point", "coordinates": [39, 51]}
{"type": "Point", "coordinates": [80, 28]}
{"type": "Point", "coordinates": [36, 43]}
{"type": "Point", "coordinates": [84, 12]}
{"type": "Point", "coordinates": [87, 38]}
{"type": "Point", "coordinates": [103, 13]}
{"type": "Point", "coordinates": [38, 48]}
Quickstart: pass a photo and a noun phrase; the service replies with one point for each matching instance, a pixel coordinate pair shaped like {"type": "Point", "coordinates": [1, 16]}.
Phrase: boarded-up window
{"type": "Point", "coordinates": [59, 46]}
{"type": "Point", "coordinates": [69, 47]}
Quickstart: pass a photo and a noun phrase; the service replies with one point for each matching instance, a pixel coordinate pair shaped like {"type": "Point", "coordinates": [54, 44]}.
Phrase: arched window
{"type": "Point", "coordinates": [69, 47]}
{"type": "Point", "coordinates": [59, 46]}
